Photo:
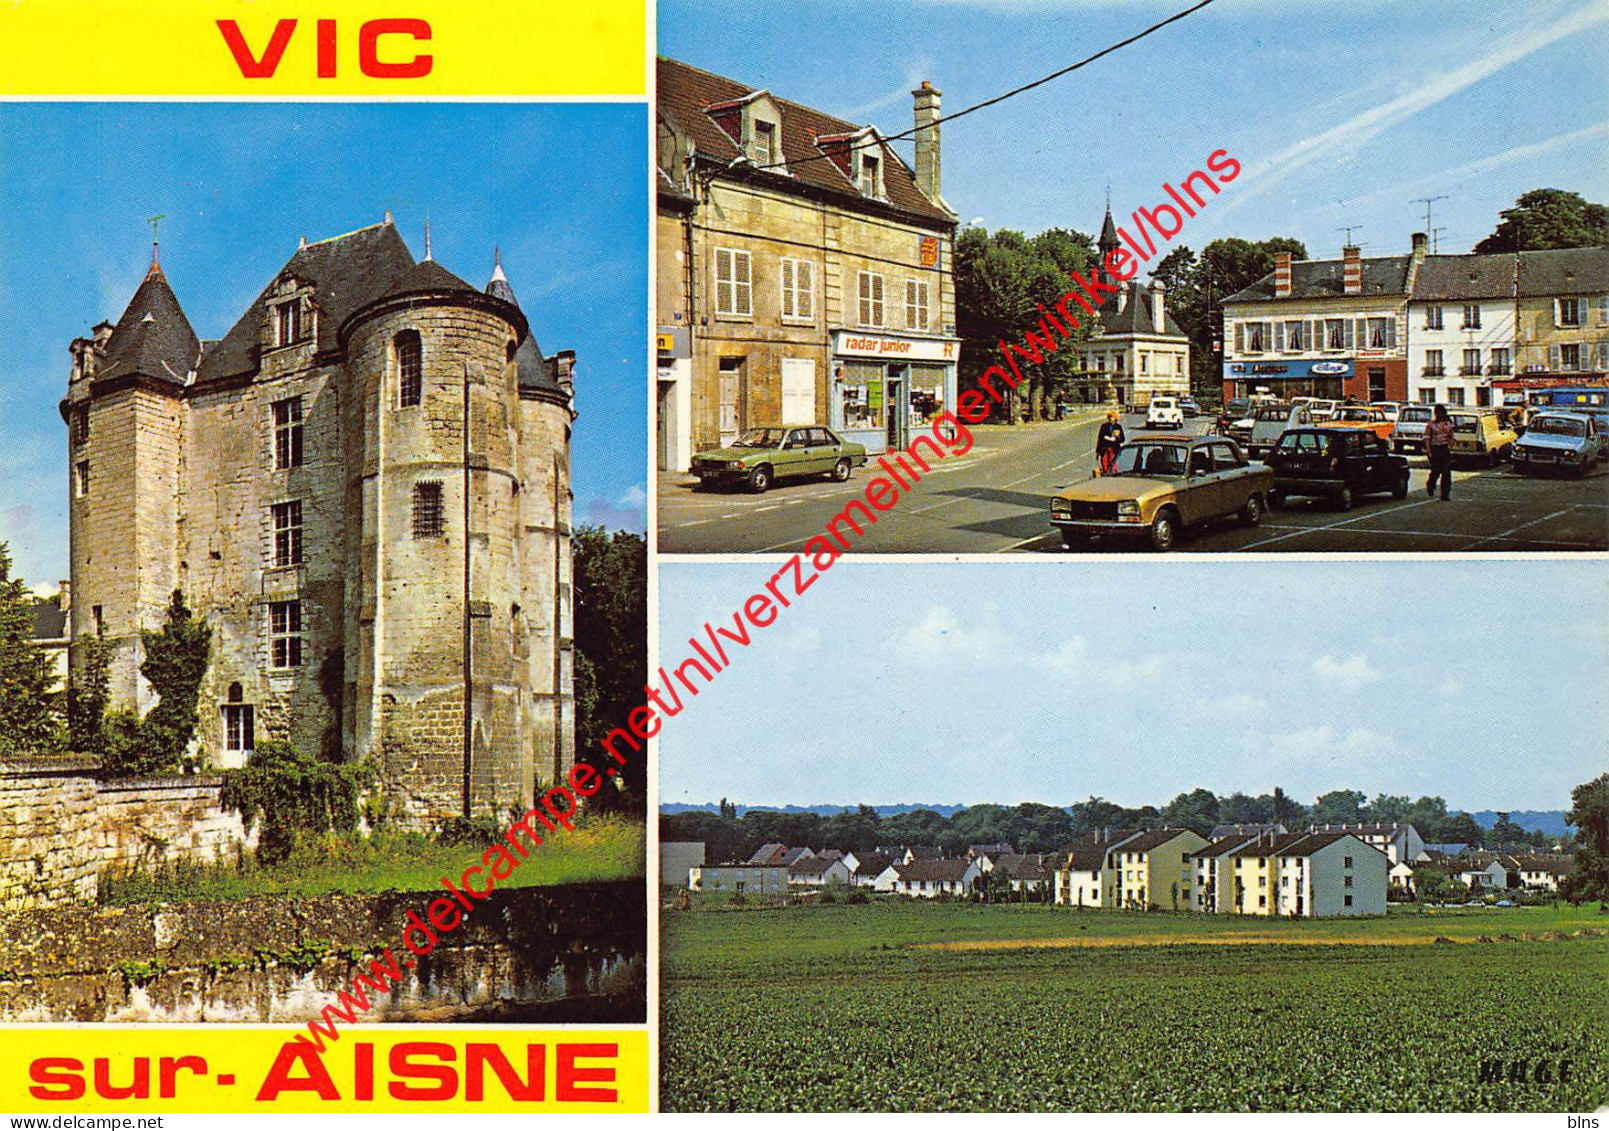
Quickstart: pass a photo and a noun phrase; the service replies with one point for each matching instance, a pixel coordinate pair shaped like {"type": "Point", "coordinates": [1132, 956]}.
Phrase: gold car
{"type": "Point", "coordinates": [1481, 434]}
{"type": "Point", "coordinates": [1160, 485]}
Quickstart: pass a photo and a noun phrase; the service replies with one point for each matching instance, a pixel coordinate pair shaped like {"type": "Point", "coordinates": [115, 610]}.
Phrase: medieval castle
{"type": "Point", "coordinates": [364, 488]}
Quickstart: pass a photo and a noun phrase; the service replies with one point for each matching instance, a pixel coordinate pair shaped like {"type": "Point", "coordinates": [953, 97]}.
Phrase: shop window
{"type": "Point", "coordinates": [285, 634]}
{"type": "Point", "coordinates": [861, 395]}
{"type": "Point", "coordinates": [410, 367]}
{"type": "Point", "coordinates": [429, 514]}
{"type": "Point", "coordinates": [287, 519]}
{"type": "Point", "coordinates": [871, 299]}
{"type": "Point", "coordinates": [916, 304]}
{"type": "Point", "coordinates": [798, 290]}
{"type": "Point", "coordinates": [734, 283]}
{"type": "Point", "coordinates": [287, 433]}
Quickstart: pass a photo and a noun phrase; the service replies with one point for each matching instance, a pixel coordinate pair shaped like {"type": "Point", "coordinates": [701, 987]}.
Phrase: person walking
{"type": "Point", "coordinates": [1438, 446]}
{"type": "Point", "coordinates": [1107, 442]}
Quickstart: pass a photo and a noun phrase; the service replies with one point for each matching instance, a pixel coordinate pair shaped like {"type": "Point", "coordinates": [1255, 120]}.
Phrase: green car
{"type": "Point", "coordinates": [762, 455]}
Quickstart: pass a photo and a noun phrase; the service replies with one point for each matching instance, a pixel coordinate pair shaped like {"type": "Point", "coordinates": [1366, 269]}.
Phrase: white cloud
{"type": "Point", "coordinates": [1449, 687]}
{"type": "Point", "coordinates": [1073, 660]}
{"type": "Point", "coordinates": [1320, 743]}
{"type": "Point", "coordinates": [1356, 671]}
{"type": "Point", "coordinates": [632, 497]}
{"type": "Point", "coordinates": [940, 636]}
{"type": "Point", "coordinates": [1234, 705]}
{"type": "Point", "coordinates": [1341, 142]}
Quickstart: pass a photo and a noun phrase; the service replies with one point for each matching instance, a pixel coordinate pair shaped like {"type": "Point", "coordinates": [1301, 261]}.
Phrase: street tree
{"type": "Point", "coordinates": [1589, 813]}
{"type": "Point", "coordinates": [1548, 218]}
{"type": "Point", "coordinates": [30, 720]}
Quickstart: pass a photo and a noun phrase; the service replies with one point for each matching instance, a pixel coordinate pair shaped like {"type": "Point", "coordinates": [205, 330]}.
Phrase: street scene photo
{"type": "Point", "coordinates": [1381, 299]}
{"type": "Point", "coordinates": [1123, 836]}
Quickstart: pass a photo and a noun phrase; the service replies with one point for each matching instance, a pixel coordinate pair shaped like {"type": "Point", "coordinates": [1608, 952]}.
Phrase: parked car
{"type": "Point", "coordinates": [760, 456]}
{"type": "Point", "coordinates": [1363, 416]}
{"type": "Point", "coordinates": [1392, 409]}
{"type": "Point", "coordinates": [1240, 430]}
{"type": "Point", "coordinates": [1564, 441]}
{"type": "Point", "coordinates": [1190, 407]}
{"type": "Point", "coordinates": [1480, 434]}
{"type": "Point", "coordinates": [1159, 486]}
{"type": "Point", "coordinates": [1322, 409]}
{"type": "Point", "coordinates": [1409, 435]}
{"type": "Point", "coordinates": [1337, 463]}
{"type": "Point", "coordinates": [1164, 412]}
{"type": "Point", "coordinates": [1269, 424]}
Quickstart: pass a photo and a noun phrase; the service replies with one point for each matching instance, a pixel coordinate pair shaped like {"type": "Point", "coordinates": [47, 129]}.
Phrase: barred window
{"type": "Point", "coordinates": [429, 517]}
{"type": "Point", "coordinates": [410, 367]}
{"type": "Point", "coordinates": [287, 533]}
{"type": "Point", "coordinates": [287, 433]}
{"type": "Point", "coordinates": [285, 634]}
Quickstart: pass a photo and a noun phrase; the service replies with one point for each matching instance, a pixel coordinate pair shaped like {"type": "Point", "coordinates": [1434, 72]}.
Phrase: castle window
{"type": "Point", "coordinates": [285, 634]}
{"type": "Point", "coordinates": [410, 367]}
{"type": "Point", "coordinates": [288, 322]}
{"type": "Point", "coordinates": [81, 426]}
{"type": "Point", "coordinates": [287, 433]}
{"type": "Point", "coordinates": [239, 723]}
{"type": "Point", "coordinates": [429, 517]}
{"type": "Point", "coordinates": [81, 479]}
{"type": "Point", "coordinates": [287, 533]}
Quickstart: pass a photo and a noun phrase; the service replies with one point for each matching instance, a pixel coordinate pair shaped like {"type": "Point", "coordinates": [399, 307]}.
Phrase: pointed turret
{"type": "Point", "coordinates": [499, 286]}
{"type": "Point", "coordinates": [1108, 240]}
{"type": "Point", "coordinates": [153, 338]}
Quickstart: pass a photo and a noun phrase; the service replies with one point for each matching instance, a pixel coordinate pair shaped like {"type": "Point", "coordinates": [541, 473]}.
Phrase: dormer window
{"type": "Point", "coordinates": [288, 322]}
{"type": "Point", "coordinates": [871, 174]}
{"type": "Point", "coordinates": [763, 143]}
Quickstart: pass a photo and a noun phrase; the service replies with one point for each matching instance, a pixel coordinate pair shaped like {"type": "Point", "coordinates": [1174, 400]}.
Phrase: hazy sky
{"type": "Point", "coordinates": [1484, 682]}
{"type": "Point", "coordinates": [1341, 113]}
{"type": "Point", "coordinates": [562, 189]}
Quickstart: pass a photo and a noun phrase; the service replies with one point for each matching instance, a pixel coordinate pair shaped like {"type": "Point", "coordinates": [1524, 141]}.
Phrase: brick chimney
{"type": "Point", "coordinates": [1421, 245]}
{"type": "Point", "coordinates": [1159, 321]}
{"type": "Point", "coordinates": [66, 595]}
{"type": "Point", "coordinates": [1282, 274]}
{"type": "Point", "coordinates": [927, 139]}
{"type": "Point", "coordinates": [1351, 270]}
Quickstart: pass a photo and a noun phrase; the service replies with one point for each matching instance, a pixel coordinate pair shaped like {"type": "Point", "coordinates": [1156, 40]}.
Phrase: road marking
{"type": "Point", "coordinates": [1521, 526]}
{"type": "Point", "coordinates": [1334, 525]}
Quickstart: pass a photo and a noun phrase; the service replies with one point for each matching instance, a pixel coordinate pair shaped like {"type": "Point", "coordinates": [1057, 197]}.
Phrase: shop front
{"type": "Point", "coordinates": [675, 398]}
{"type": "Point", "coordinates": [1327, 379]}
{"type": "Point", "coordinates": [886, 387]}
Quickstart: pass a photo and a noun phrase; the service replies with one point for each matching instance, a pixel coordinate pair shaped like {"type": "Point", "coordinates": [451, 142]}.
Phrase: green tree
{"type": "Point", "coordinates": [1505, 833]}
{"type": "Point", "coordinates": [1432, 885]}
{"type": "Point", "coordinates": [611, 649]}
{"type": "Point", "coordinates": [1196, 810]}
{"type": "Point", "coordinates": [175, 661]}
{"type": "Point", "coordinates": [1339, 807]}
{"type": "Point", "coordinates": [1459, 828]}
{"type": "Point", "coordinates": [30, 719]}
{"type": "Point", "coordinates": [1589, 813]}
{"type": "Point", "coordinates": [295, 795]}
{"type": "Point", "coordinates": [1548, 218]}
{"type": "Point", "coordinates": [86, 701]}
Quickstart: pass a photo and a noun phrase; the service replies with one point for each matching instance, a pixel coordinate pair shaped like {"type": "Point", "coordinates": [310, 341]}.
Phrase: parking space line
{"type": "Point", "coordinates": [1521, 526]}
{"type": "Point", "coordinates": [1334, 525]}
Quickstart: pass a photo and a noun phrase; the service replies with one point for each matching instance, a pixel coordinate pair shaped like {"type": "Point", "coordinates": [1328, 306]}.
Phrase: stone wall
{"type": "Point", "coordinates": [576, 952]}
{"type": "Point", "coordinates": [61, 828]}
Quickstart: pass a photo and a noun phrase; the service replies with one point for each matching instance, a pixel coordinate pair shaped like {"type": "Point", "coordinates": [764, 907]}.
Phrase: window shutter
{"type": "Point", "coordinates": [1361, 338]}
{"type": "Point", "coordinates": [1240, 337]}
{"type": "Point", "coordinates": [1603, 310]}
{"type": "Point", "coordinates": [1553, 358]}
{"type": "Point", "coordinates": [1346, 333]}
{"type": "Point", "coordinates": [1391, 332]}
{"type": "Point", "coordinates": [1279, 335]}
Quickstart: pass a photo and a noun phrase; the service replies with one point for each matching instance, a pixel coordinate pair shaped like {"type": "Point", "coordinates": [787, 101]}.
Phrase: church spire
{"type": "Point", "coordinates": [1108, 240]}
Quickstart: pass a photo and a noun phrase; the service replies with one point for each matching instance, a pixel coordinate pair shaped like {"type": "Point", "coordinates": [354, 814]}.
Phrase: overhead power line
{"type": "Point", "coordinates": [1102, 53]}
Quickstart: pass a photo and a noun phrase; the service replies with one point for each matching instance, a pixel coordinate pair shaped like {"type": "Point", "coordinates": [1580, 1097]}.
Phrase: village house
{"type": "Point", "coordinates": [868, 868]}
{"type": "Point", "coordinates": [928, 879]}
{"type": "Point", "coordinates": [1078, 877]}
{"type": "Point", "coordinates": [749, 879]}
{"type": "Point", "coordinates": [1138, 351]}
{"type": "Point", "coordinates": [818, 871]}
{"type": "Point", "coordinates": [1032, 872]}
{"type": "Point", "coordinates": [1543, 872]}
{"type": "Point", "coordinates": [677, 859]}
{"type": "Point", "coordinates": [51, 616]}
{"type": "Point", "coordinates": [303, 479]}
{"type": "Point", "coordinates": [804, 271]}
{"type": "Point", "coordinates": [1328, 328]}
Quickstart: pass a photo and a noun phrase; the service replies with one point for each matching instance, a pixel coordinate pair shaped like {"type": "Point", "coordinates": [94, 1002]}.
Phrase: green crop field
{"type": "Point", "coordinates": [851, 1007]}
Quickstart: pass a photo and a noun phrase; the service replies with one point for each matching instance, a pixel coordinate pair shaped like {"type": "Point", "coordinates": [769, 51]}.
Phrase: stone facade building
{"type": "Point", "coordinates": [804, 271]}
{"type": "Point", "coordinates": [363, 487]}
{"type": "Point", "coordinates": [1138, 351]}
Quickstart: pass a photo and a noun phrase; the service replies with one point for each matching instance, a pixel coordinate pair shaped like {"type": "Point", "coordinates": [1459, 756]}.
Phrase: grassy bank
{"type": "Point", "coordinates": [601, 848]}
{"type": "Point", "coordinates": [852, 1007]}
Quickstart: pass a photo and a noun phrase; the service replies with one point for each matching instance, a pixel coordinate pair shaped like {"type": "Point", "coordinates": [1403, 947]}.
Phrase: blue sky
{"type": "Point", "coordinates": [561, 188]}
{"type": "Point", "coordinates": [1341, 113]}
{"type": "Point", "coordinates": [961, 683]}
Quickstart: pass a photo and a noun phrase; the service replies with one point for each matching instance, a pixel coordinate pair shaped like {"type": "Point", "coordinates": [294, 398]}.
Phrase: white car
{"type": "Point", "coordinates": [1321, 409]}
{"type": "Point", "coordinates": [1164, 412]}
{"type": "Point", "coordinates": [1392, 409]}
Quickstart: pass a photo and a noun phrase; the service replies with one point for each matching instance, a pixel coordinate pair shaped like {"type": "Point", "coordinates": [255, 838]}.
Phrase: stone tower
{"type": "Point", "coordinates": [364, 488]}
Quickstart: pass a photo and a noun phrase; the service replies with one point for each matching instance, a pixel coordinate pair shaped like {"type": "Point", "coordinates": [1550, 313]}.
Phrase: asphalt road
{"type": "Point", "coordinates": [996, 499]}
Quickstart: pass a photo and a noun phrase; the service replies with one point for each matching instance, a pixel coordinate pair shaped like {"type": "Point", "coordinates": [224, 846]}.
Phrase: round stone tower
{"type": "Point", "coordinates": [458, 573]}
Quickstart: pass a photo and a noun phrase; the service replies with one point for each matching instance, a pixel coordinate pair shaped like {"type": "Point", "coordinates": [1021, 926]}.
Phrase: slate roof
{"type": "Point", "coordinates": [1031, 867]}
{"type": "Point", "coordinates": [1557, 865]}
{"type": "Point", "coordinates": [153, 337]}
{"type": "Point", "coordinates": [1312, 843]}
{"type": "Point", "coordinates": [810, 866]}
{"type": "Point", "coordinates": [1086, 858]}
{"type": "Point", "coordinates": [684, 92]}
{"type": "Point", "coordinates": [1565, 271]}
{"type": "Point", "coordinates": [768, 854]}
{"type": "Point", "coordinates": [927, 852]}
{"type": "Point", "coordinates": [1321, 278]}
{"type": "Point", "coordinates": [50, 619]}
{"type": "Point", "coordinates": [1135, 317]}
{"type": "Point", "coordinates": [872, 864]}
